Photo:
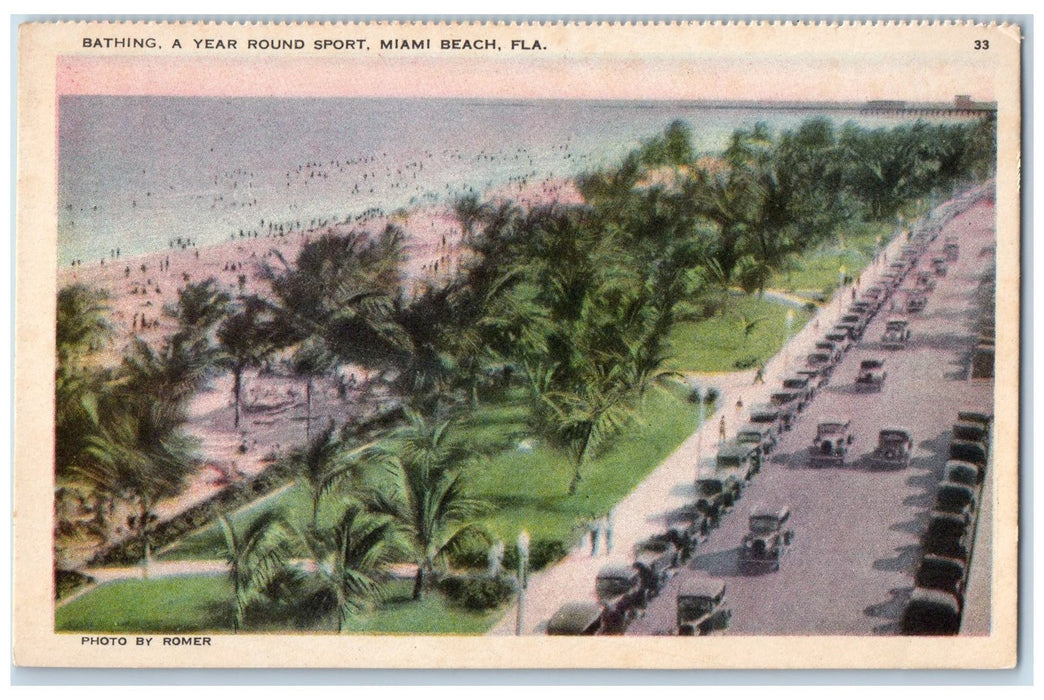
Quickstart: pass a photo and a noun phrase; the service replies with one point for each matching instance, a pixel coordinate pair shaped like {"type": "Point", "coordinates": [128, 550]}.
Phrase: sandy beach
{"type": "Point", "coordinates": [274, 408]}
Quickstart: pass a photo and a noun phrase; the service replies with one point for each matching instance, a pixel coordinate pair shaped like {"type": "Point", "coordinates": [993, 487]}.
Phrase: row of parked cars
{"type": "Point", "coordinates": [937, 602]}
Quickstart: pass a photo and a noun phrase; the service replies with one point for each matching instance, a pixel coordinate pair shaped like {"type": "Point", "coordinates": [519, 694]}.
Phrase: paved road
{"type": "Point", "coordinates": [850, 571]}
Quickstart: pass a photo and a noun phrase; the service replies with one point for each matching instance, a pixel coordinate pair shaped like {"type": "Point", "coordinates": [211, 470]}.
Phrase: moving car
{"type": "Point", "coordinates": [896, 335]}
{"type": "Point", "coordinates": [894, 446]}
{"type": "Point", "coordinates": [931, 612]}
{"type": "Point", "coordinates": [620, 591]}
{"type": "Point", "coordinates": [830, 445]}
{"type": "Point", "coordinates": [768, 539]}
{"type": "Point", "coordinates": [871, 375]}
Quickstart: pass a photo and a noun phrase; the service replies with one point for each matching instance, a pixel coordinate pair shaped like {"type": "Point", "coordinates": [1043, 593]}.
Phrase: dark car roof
{"type": "Point", "coordinates": [617, 571]}
{"type": "Point", "coordinates": [574, 617]}
{"type": "Point", "coordinates": [735, 449]}
{"type": "Point", "coordinates": [770, 511]}
{"type": "Point", "coordinates": [703, 587]}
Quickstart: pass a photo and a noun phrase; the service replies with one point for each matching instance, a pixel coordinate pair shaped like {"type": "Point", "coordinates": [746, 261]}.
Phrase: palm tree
{"type": "Point", "coordinates": [81, 324]}
{"type": "Point", "coordinates": [200, 305]}
{"type": "Point", "coordinates": [585, 420]}
{"type": "Point", "coordinates": [312, 360]}
{"type": "Point", "coordinates": [246, 340]}
{"type": "Point", "coordinates": [426, 495]}
{"type": "Point", "coordinates": [325, 462]}
{"type": "Point", "coordinates": [255, 558]}
{"type": "Point", "coordinates": [352, 558]}
{"type": "Point", "coordinates": [139, 454]}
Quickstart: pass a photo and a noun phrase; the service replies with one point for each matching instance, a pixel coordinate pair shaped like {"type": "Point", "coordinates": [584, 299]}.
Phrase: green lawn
{"type": "Point", "coordinates": [178, 604]}
{"type": "Point", "coordinates": [717, 344]}
{"type": "Point", "coordinates": [187, 604]}
{"type": "Point", "coordinates": [818, 271]}
{"type": "Point", "coordinates": [528, 483]}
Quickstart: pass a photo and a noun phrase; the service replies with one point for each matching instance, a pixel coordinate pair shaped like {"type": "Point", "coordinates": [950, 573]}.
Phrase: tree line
{"type": "Point", "coordinates": [572, 303]}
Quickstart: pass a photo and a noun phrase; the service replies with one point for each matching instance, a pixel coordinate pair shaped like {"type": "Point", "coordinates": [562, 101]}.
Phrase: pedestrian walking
{"type": "Point", "coordinates": [759, 375]}
{"type": "Point", "coordinates": [721, 430]}
{"type": "Point", "coordinates": [609, 532]}
{"type": "Point", "coordinates": [739, 405]}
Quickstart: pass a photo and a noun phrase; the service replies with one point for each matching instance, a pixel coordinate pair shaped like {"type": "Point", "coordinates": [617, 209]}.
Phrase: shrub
{"type": "Point", "coordinates": [542, 553]}
{"type": "Point", "coordinates": [478, 592]}
{"type": "Point", "coordinates": [68, 582]}
{"type": "Point", "coordinates": [746, 363]}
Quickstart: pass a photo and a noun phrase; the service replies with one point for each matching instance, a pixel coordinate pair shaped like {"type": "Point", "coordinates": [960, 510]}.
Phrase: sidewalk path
{"type": "Point", "coordinates": [643, 512]}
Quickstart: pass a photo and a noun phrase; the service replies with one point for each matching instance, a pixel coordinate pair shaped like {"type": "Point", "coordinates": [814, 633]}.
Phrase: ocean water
{"type": "Point", "coordinates": [139, 173]}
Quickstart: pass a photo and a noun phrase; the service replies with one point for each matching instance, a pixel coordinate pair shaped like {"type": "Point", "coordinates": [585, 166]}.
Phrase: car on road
{"type": "Point", "coordinates": [758, 435]}
{"type": "Point", "coordinates": [924, 281]}
{"type": "Point", "coordinates": [788, 401]}
{"type": "Point", "coordinates": [871, 375]}
{"type": "Point", "coordinates": [830, 446]}
{"type": "Point", "coordinates": [947, 535]}
{"type": "Point", "coordinates": [942, 574]}
{"type": "Point", "coordinates": [686, 528]}
{"type": "Point", "coordinates": [841, 338]}
{"type": "Point", "coordinates": [916, 301]}
{"type": "Point", "coordinates": [968, 451]}
{"type": "Point", "coordinates": [957, 499]}
{"type": "Point", "coordinates": [939, 265]}
{"type": "Point", "coordinates": [833, 349]}
{"type": "Point", "coordinates": [769, 416]}
{"type": "Point", "coordinates": [875, 295]}
{"type": "Point", "coordinates": [823, 362]}
{"type": "Point", "coordinates": [896, 335]}
{"type": "Point", "coordinates": [715, 495]}
{"type": "Point", "coordinates": [952, 250]}
{"type": "Point", "coordinates": [972, 432]}
{"type": "Point", "coordinates": [894, 447]}
{"type": "Point", "coordinates": [931, 612]}
{"type": "Point", "coordinates": [739, 458]}
{"type": "Point", "coordinates": [701, 607]}
{"type": "Point", "coordinates": [805, 389]}
{"type": "Point", "coordinates": [960, 472]}
{"type": "Point", "coordinates": [816, 377]}
{"type": "Point", "coordinates": [654, 558]}
{"type": "Point", "coordinates": [854, 325]}
{"type": "Point", "coordinates": [620, 591]}
{"type": "Point", "coordinates": [768, 539]}
{"type": "Point", "coordinates": [970, 416]}
{"type": "Point", "coordinates": [578, 618]}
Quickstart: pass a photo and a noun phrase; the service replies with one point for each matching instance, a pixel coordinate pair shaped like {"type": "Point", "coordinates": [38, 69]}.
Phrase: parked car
{"type": "Point", "coordinates": [828, 346]}
{"type": "Point", "coordinates": [621, 593]}
{"type": "Point", "coordinates": [968, 451]}
{"type": "Point", "coordinates": [931, 612]}
{"type": "Point", "coordinates": [871, 375]}
{"type": "Point", "coordinates": [970, 416]}
{"type": "Point", "coordinates": [576, 619]}
{"type": "Point", "coordinates": [952, 250]}
{"type": "Point", "coordinates": [972, 432]}
{"type": "Point", "coordinates": [789, 402]}
{"type": "Point", "coordinates": [894, 447]}
{"type": "Point", "coordinates": [831, 443]}
{"type": "Point", "coordinates": [715, 495]}
{"type": "Point", "coordinates": [841, 338]}
{"type": "Point", "coordinates": [853, 324]}
{"type": "Point", "coordinates": [947, 535]}
{"type": "Point", "coordinates": [960, 472]}
{"type": "Point", "coordinates": [896, 335]}
{"type": "Point", "coordinates": [686, 528]}
{"type": "Point", "coordinates": [939, 265]}
{"type": "Point", "coordinates": [769, 416]}
{"type": "Point", "coordinates": [916, 301]}
{"type": "Point", "coordinates": [942, 574]}
{"type": "Point", "coordinates": [761, 436]}
{"type": "Point", "coordinates": [958, 499]}
{"type": "Point", "coordinates": [655, 557]}
{"type": "Point", "coordinates": [815, 377]}
{"type": "Point", "coordinates": [768, 539]}
{"type": "Point", "coordinates": [876, 296]}
{"type": "Point", "coordinates": [804, 388]}
{"type": "Point", "coordinates": [823, 362]}
{"type": "Point", "coordinates": [924, 281]}
{"type": "Point", "coordinates": [741, 459]}
{"type": "Point", "coordinates": [701, 607]}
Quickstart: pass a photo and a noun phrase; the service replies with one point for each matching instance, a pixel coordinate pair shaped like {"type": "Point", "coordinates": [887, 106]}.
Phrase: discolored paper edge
{"type": "Point", "coordinates": [777, 61]}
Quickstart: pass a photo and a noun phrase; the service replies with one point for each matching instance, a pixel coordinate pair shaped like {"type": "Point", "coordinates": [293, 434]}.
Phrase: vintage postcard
{"type": "Point", "coordinates": [517, 344]}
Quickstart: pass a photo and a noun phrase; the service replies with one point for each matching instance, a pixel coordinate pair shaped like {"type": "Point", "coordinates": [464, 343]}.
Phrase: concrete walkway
{"type": "Point", "coordinates": [643, 512]}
